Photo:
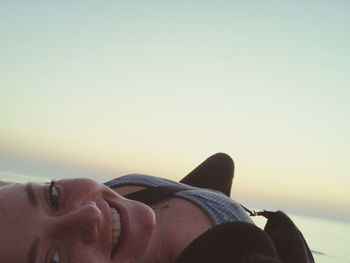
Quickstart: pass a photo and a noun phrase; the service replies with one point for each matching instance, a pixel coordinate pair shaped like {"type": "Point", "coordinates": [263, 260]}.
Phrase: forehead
{"type": "Point", "coordinates": [12, 197]}
{"type": "Point", "coordinates": [10, 193]}
{"type": "Point", "coordinates": [16, 215]}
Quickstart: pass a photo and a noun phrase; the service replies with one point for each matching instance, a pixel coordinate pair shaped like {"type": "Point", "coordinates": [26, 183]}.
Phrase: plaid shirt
{"type": "Point", "coordinates": [218, 206]}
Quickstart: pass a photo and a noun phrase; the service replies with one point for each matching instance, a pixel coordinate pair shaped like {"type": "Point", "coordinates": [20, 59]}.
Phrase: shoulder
{"type": "Point", "coordinates": [141, 180]}
{"type": "Point", "coordinates": [133, 182]}
{"type": "Point", "coordinates": [218, 206]}
{"type": "Point", "coordinates": [134, 179]}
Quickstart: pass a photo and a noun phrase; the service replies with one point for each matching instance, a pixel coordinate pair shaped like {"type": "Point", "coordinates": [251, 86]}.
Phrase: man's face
{"type": "Point", "coordinates": [72, 221]}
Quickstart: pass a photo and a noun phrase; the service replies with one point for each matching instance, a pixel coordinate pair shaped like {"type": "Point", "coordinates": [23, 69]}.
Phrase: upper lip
{"type": "Point", "coordinates": [123, 222]}
{"type": "Point", "coordinates": [109, 226]}
{"type": "Point", "coordinates": [106, 230]}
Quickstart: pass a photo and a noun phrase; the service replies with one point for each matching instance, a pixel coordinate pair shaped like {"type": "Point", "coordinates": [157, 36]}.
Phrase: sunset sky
{"type": "Point", "coordinates": [104, 88]}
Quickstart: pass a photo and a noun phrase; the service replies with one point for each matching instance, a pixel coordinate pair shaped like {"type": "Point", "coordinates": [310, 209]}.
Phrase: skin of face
{"type": "Point", "coordinates": [79, 230]}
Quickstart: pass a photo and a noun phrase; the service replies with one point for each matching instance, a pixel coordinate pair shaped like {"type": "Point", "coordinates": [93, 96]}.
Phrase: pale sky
{"type": "Point", "coordinates": [103, 88]}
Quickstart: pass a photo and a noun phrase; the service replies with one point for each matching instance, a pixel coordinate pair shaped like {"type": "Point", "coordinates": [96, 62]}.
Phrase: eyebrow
{"type": "Point", "coordinates": [31, 195]}
{"type": "Point", "coordinates": [33, 251]}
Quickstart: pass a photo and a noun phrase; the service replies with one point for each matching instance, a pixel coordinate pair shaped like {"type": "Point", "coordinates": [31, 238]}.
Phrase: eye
{"type": "Point", "coordinates": [55, 258]}
{"type": "Point", "coordinates": [54, 195]}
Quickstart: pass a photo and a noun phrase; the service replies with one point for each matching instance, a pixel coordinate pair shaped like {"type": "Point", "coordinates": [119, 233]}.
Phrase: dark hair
{"type": "Point", "coordinates": [231, 242]}
{"type": "Point", "coordinates": [2, 183]}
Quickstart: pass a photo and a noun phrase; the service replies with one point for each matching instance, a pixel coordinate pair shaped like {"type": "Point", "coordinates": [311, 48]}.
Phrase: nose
{"type": "Point", "coordinates": [82, 222]}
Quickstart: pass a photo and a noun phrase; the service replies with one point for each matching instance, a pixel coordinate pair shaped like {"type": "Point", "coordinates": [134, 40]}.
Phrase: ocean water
{"type": "Point", "coordinates": [327, 239]}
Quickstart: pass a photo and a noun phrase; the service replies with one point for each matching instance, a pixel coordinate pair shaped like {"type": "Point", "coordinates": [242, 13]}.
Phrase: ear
{"type": "Point", "coordinates": [215, 173]}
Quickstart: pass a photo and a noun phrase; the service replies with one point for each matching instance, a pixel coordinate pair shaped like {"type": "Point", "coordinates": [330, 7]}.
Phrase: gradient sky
{"type": "Point", "coordinates": [104, 88]}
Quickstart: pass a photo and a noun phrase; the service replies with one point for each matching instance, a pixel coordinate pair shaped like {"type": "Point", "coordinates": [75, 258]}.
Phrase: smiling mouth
{"type": "Point", "coordinates": [116, 230]}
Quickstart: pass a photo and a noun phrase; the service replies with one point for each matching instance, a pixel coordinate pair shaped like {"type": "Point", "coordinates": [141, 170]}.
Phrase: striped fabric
{"type": "Point", "coordinates": [219, 207]}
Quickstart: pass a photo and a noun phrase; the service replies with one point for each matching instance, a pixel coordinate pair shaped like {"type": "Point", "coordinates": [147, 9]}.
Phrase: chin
{"type": "Point", "coordinates": [138, 228]}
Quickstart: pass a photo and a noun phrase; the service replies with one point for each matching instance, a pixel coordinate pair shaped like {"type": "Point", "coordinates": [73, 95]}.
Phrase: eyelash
{"type": "Point", "coordinates": [55, 258]}
{"type": "Point", "coordinates": [54, 196]}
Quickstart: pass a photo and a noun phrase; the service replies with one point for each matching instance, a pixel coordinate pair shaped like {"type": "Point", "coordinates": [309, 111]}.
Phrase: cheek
{"type": "Point", "coordinates": [17, 234]}
{"type": "Point", "coordinates": [15, 247]}
{"type": "Point", "coordinates": [83, 254]}
{"type": "Point", "coordinates": [81, 186]}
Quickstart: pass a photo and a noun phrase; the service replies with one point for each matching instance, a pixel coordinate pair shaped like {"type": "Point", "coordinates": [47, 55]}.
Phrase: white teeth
{"type": "Point", "coordinates": [116, 227]}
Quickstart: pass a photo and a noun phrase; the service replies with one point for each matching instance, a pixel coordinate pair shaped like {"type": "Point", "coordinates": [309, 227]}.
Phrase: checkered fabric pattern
{"type": "Point", "coordinates": [219, 207]}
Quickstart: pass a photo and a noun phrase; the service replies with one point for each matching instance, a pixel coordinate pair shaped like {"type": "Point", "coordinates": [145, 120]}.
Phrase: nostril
{"type": "Point", "coordinates": [93, 209]}
{"type": "Point", "coordinates": [90, 213]}
{"type": "Point", "coordinates": [82, 221]}
{"type": "Point", "coordinates": [90, 218]}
